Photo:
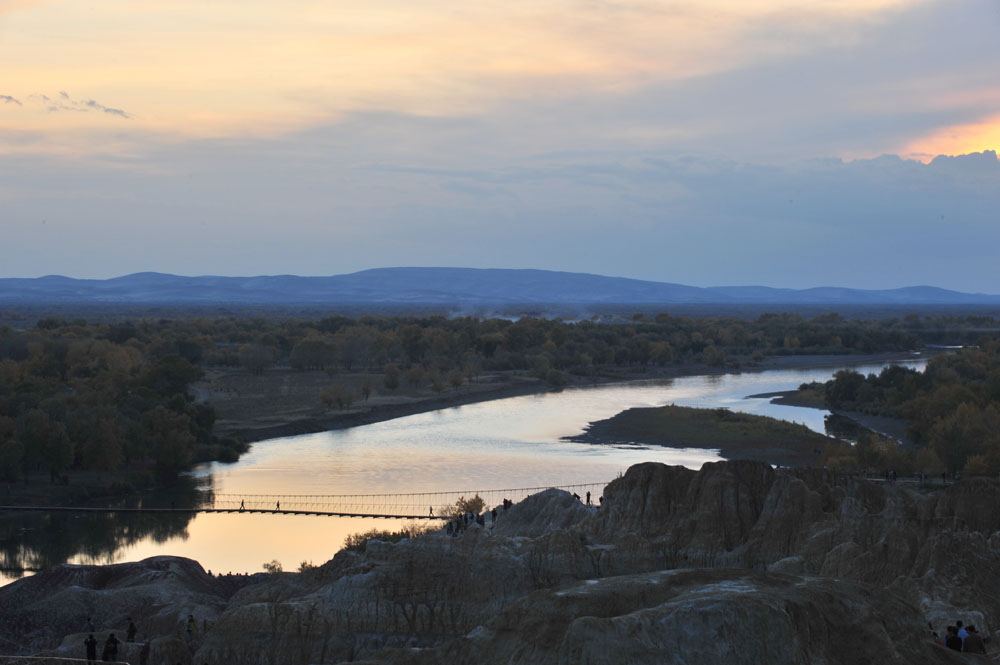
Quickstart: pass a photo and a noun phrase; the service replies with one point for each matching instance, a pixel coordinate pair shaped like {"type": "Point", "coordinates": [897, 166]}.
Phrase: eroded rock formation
{"type": "Point", "coordinates": [735, 563]}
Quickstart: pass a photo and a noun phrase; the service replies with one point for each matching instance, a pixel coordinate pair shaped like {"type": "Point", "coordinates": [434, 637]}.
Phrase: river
{"type": "Point", "coordinates": [509, 443]}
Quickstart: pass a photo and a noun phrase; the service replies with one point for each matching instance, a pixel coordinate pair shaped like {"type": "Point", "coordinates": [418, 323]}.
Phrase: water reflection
{"type": "Point", "coordinates": [510, 443]}
{"type": "Point", "coordinates": [32, 541]}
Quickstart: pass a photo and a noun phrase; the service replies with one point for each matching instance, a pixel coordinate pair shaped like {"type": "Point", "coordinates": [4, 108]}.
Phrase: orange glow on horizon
{"type": "Point", "coordinates": [956, 140]}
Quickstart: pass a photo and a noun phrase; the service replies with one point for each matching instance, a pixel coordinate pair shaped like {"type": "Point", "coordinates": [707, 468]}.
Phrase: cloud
{"type": "Point", "coordinates": [336, 199]}
{"type": "Point", "coordinates": [64, 102]}
{"type": "Point", "coordinates": [7, 99]}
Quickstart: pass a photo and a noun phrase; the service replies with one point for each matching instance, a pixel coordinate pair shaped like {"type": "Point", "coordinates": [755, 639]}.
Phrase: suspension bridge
{"type": "Point", "coordinates": [405, 506]}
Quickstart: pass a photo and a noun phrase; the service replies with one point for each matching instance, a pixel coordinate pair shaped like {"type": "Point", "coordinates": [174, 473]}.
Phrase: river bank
{"type": "Point", "coordinates": [285, 402]}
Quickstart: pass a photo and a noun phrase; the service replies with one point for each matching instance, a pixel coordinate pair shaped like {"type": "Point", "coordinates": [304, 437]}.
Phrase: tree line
{"type": "Point", "coordinates": [79, 395]}
{"type": "Point", "coordinates": [951, 410]}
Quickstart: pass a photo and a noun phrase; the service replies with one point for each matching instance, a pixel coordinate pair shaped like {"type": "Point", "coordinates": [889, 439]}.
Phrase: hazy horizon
{"type": "Point", "coordinates": [449, 268]}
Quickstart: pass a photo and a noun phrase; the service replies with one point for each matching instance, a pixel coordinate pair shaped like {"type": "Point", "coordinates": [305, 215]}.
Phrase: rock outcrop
{"type": "Point", "coordinates": [737, 617]}
{"type": "Point", "coordinates": [735, 563]}
{"type": "Point", "coordinates": [47, 611]}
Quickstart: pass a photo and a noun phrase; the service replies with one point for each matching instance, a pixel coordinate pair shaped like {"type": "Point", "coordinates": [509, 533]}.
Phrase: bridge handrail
{"type": "Point", "coordinates": [368, 496]}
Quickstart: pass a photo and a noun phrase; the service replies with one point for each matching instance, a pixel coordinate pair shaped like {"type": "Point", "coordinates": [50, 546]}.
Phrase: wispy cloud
{"type": "Point", "coordinates": [7, 99]}
{"type": "Point", "coordinates": [64, 102]}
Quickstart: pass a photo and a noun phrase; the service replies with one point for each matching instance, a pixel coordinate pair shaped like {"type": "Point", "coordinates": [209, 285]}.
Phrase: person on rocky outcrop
{"type": "Point", "coordinates": [190, 628]}
{"type": "Point", "coordinates": [91, 644]}
{"type": "Point", "coordinates": [110, 653]}
{"type": "Point", "coordinates": [961, 632]}
{"type": "Point", "coordinates": [588, 498]}
{"type": "Point", "coordinates": [130, 633]}
{"type": "Point", "coordinates": [953, 641]}
{"type": "Point", "coordinates": [973, 642]}
{"type": "Point", "coordinates": [88, 626]}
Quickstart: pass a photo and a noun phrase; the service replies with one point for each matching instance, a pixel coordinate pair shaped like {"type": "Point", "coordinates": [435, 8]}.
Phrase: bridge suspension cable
{"type": "Point", "coordinates": [398, 505]}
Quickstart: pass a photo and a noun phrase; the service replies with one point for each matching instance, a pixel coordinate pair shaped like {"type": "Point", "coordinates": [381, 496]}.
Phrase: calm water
{"type": "Point", "coordinates": [510, 443]}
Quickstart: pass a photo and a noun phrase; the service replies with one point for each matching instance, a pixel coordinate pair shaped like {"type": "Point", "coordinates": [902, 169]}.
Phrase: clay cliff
{"type": "Point", "coordinates": [735, 563]}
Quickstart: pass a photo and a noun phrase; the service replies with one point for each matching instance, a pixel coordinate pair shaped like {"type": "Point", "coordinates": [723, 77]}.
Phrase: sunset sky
{"type": "Point", "coordinates": [707, 142]}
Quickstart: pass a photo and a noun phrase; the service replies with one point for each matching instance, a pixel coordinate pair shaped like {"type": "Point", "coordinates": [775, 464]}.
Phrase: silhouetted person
{"type": "Point", "coordinates": [88, 626]}
{"type": "Point", "coordinates": [432, 511]}
{"type": "Point", "coordinates": [91, 644]}
{"type": "Point", "coordinates": [242, 507]}
{"type": "Point", "coordinates": [110, 649]}
{"type": "Point", "coordinates": [588, 498]}
{"type": "Point", "coordinates": [190, 627]}
{"type": "Point", "coordinates": [277, 505]}
{"type": "Point", "coordinates": [953, 641]}
{"type": "Point", "coordinates": [974, 642]}
{"type": "Point", "coordinates": [130, 633]}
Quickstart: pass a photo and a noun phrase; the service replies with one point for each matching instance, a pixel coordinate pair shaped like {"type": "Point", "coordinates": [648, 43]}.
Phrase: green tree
{"type": "Point", "coordinates": [339, 396]}
{"type": "Point", "coordinates": [255, 358]}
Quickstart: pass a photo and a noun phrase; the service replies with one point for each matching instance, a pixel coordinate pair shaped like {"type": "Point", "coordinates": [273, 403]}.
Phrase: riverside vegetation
{"type": "Point", "coordinates": [111, 405]}
{"type": "Point", "coordinates": [949, 413]}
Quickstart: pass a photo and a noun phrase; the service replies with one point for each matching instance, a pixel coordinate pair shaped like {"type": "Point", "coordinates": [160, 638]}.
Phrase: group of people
{"type": "Point", "coordinates": [577, 497]}
{"type": "Point", "coordinates": [460, 523]}
{"type": "Point", "coordinates": [961, 638]}
{"type": "Point", "coordinates": [110, 652]}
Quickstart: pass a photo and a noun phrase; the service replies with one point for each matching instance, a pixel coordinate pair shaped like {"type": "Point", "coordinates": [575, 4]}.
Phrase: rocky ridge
{"type": "Point", "coordinates": [735, 563]}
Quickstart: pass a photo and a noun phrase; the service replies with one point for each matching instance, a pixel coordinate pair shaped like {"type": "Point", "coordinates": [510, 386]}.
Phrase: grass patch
{"type": "Point", "coordinates": [735, 435]}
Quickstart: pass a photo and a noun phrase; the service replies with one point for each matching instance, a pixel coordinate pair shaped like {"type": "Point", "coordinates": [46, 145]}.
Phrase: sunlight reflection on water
{"type": "Point", "coordinates": [514, 442]}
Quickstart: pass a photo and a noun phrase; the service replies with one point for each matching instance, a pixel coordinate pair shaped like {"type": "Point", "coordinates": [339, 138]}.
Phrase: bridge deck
{"type": "Point", "coordinates": [272, 511]}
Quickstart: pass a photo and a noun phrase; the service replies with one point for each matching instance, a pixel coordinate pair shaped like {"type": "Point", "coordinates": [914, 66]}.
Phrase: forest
{"type": "Point", "coordinates": [78, 395]}
{"type": "Point", "coordinates": [951, 410]}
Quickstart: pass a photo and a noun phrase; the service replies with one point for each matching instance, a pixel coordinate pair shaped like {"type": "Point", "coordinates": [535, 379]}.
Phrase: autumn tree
{"type": "Point", "coordinates": [390, 377]}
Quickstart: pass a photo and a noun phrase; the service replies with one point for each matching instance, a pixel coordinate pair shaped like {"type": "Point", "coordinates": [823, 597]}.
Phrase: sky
{"type": "Point", "coordinates": [705, 142]}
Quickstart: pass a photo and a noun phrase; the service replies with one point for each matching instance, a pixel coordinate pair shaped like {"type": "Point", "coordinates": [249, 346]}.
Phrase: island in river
{"type": "Point", "coordinates": [734, 435]}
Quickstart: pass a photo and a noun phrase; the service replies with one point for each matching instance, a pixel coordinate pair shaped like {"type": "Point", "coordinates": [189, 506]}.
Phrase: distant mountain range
{"type": "Point", "coordinates": [448, 286]}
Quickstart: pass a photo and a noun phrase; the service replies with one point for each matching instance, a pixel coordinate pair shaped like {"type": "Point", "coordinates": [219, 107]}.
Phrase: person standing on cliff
{"type": "Point", "coordinates": [130, 633]}
{"type": "Point", "coordinates": [91, 644]}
